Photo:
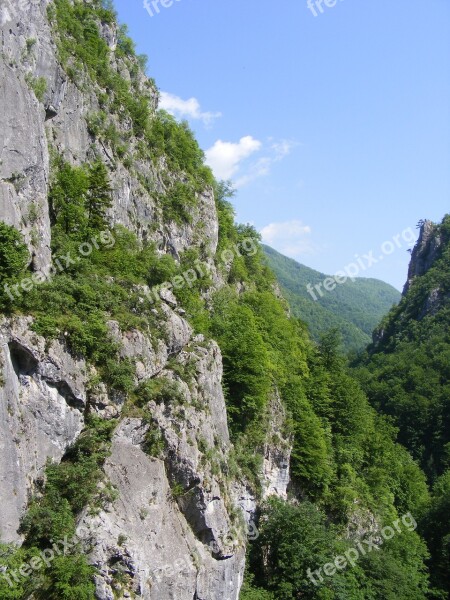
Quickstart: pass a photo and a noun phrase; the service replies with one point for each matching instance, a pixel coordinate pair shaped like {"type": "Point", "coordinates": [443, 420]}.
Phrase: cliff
{"type": "Point", "coordinates": [174, 510]}
{"type": "Point", "coordinates": [157, 398]}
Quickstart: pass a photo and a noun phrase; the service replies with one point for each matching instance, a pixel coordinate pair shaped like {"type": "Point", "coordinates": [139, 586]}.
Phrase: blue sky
{"type": "Point", "coordinates": [335, 128]}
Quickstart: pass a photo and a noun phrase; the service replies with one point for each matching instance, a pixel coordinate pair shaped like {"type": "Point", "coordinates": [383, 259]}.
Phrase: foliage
{"type": "Point", "coordinates": [38, 85]}
{"type": "Point", "coordinates": [68, 199]}
{"type": "Point", "coordinates": [436, 530]}
{"type": "Point", "coordinates": [13, 260]}
{"type": "Point", "coordinates": [11, 559]}
{"type": "Point", "coordinates": [69, 487]}
{"type": "Point", "coordinates": [355, 307]}
{"type": "Point", "coordinates": [68, 578]}
{"type": "Point", "coordinates": [407, 374]}
{"type": "Point", "coordinates": [99, 198]}
{"type": "Point", "coordinates": [245, 359]}
{"type": "Point", "coordinates": [154, 444]}
{"type": "Point", "coordinates": [160, 390]}
{"type": "Point", "coordinates": [294, 539]}
{"type": "Point", "coordinates": [179, 202]}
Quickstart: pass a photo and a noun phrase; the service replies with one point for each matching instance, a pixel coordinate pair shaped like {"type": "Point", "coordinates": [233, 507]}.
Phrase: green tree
{"type": "Point", "coordinates": [246, 362]}
{"type": "Point", "coordinates": [11, 559]}
{"type": "Point", "coordinates": [99, 199]}
{"type": "Point", "coordinates": [437, 533]}
{"type": "Point", "coordinates": [292, 540]}
{"type": "Point", "coordinates": [68, 578]}
{"type": "Point", "coordinates": [68, 198]}
{"type": "Point", "coordinates": [13, 260]}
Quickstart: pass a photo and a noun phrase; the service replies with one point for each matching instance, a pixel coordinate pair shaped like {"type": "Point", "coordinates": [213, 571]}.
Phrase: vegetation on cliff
{"type": "Point", "coordinates": [347, 467]}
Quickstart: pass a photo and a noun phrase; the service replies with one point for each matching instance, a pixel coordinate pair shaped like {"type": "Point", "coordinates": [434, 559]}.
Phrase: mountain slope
{"type": "Point", "coordinates": [155, 395]}
{"type": "Point", "coordinates": [406, 371]}
{"type": "Point", "coordinates": [355, 308]}
{"type": "Point", "coordinates": [406, 375]}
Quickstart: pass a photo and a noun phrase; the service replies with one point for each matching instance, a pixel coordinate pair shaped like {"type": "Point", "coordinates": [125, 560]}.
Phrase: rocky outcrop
{"type": "Point", "coordinates": [24, 159]}
{"type": "Point", "coordinates": [174, 530]}
{"type": "Point", "coordinates": [424, 253]}
{"type": "Point", "coordinates": [169, 534]}
{"type": "Point", "coordinates": [42, 400]}
{"type": "Point", "coordinates": [277, 452]}
{"type": "Point", "coordinates": [143, 543]}
{"type": "Point", "coordinates": [62, 116]}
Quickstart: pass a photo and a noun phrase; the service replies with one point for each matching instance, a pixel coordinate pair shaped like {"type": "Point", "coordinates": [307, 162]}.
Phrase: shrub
{"type": "Point", "coordinates": [38, 85]}
{"type": "Point", "coordinates": [68, 578]}
{"type": "Point", "coordinates": [154, 444]}
{"type": "Point", "coordinates": [179, 202]}
{"type": "Point", "coordinates": [13, 260]}
{"type": "Point", "coordinates": [161, 391]}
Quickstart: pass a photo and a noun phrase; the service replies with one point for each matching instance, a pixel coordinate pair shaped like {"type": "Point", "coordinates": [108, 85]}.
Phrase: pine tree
{"type": "Point", "coordinates": [99, 197]}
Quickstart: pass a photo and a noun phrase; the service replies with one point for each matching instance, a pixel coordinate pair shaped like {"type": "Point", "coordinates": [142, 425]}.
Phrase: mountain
{"type": "Point", "coordinates": [354, 307]}
{"type": "Point", "coordinates": [406, 375]}
{"type": "Point", "coordinates": [168, 430]}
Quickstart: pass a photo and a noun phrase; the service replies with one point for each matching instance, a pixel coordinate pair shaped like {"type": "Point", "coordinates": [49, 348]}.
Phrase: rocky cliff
{"type": "Point", "coordinates": [425, 252]}
{"type": "Point", "coordinates": [174, 527]}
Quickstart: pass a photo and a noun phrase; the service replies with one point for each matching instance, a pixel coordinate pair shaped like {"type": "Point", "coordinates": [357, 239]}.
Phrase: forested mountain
{"type": "Point", "coordinates": [406, 375]}
{"type": "Point", "coordinates": [354, 307]}
{"type": "Point", "coordinates": [169, 431]}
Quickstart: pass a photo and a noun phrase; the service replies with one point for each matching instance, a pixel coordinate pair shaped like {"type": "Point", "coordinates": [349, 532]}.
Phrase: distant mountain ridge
{"type": "Point", "coordinates": [355, 307]}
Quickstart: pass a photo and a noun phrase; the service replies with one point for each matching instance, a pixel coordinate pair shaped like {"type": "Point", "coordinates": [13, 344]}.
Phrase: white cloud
{"type": "Point", "coordinates": [225, 158]}
{"type": "Point", "coordinates": [260, 168]}
{"type": "Point", "coordinates": [189, 109]}
{"type": "Point", "coordinates": [282, 149]}
{"type": "Point", "coordinates": [291, 238]}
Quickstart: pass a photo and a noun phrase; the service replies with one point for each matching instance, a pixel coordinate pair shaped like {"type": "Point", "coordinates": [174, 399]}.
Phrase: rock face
{"type": "Point", "coordinates": [143, 543]}
{"type": "Point", "coordinates": [174, 531]}
{"type": "Point", "coordinates": [24, 159]}
{"type": "Point", "coordinates": [42, 400]}
{"type": "Point", "coordinates": [424, 253]}
{"type": "Point", "coordinates": [277, 453]}
{"type": "Point", "coordinates": [62, 116]}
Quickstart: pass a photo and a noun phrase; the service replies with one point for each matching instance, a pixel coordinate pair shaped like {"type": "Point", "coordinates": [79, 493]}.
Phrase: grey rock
{"type": "Point", "coordinates": [147, 542]}
{"type": "Point", "coordinates": [424, 254]}
{"type": "Point", "coordinates": [149, 354]}
{"type": "Point", "coordinates": [42, 401]}
{"type": "Point", "coordinates": [277, 452]}
{"type": "Point", "coordinates": [158, 555]}
{"type": "Point", "coordinates": [24, 160]}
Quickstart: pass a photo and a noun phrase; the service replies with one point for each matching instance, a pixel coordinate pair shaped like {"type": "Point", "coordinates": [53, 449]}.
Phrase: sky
{"type": "Point", "coordinates": [334, 126]}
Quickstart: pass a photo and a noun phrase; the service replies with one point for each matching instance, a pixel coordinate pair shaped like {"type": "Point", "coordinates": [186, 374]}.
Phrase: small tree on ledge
{"type": "Point", "coordinates": [99, 199]}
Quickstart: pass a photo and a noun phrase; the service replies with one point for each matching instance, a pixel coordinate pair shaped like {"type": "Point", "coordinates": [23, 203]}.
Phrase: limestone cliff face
{"type": "Point", "coordinates": [42, 401]}
{"type": "Point", "coordinates": [28, 126]}
{"type": "Point", "coordinates": [428, 250]}
{"type": "Point", "coordinates": [183, 545]}
{"type": "Point", "coordinates": [424, 253]}
{"type": "Point", "coordinates": [431, 292]}
{"type": "Point", "coordinates": [174, 529]}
